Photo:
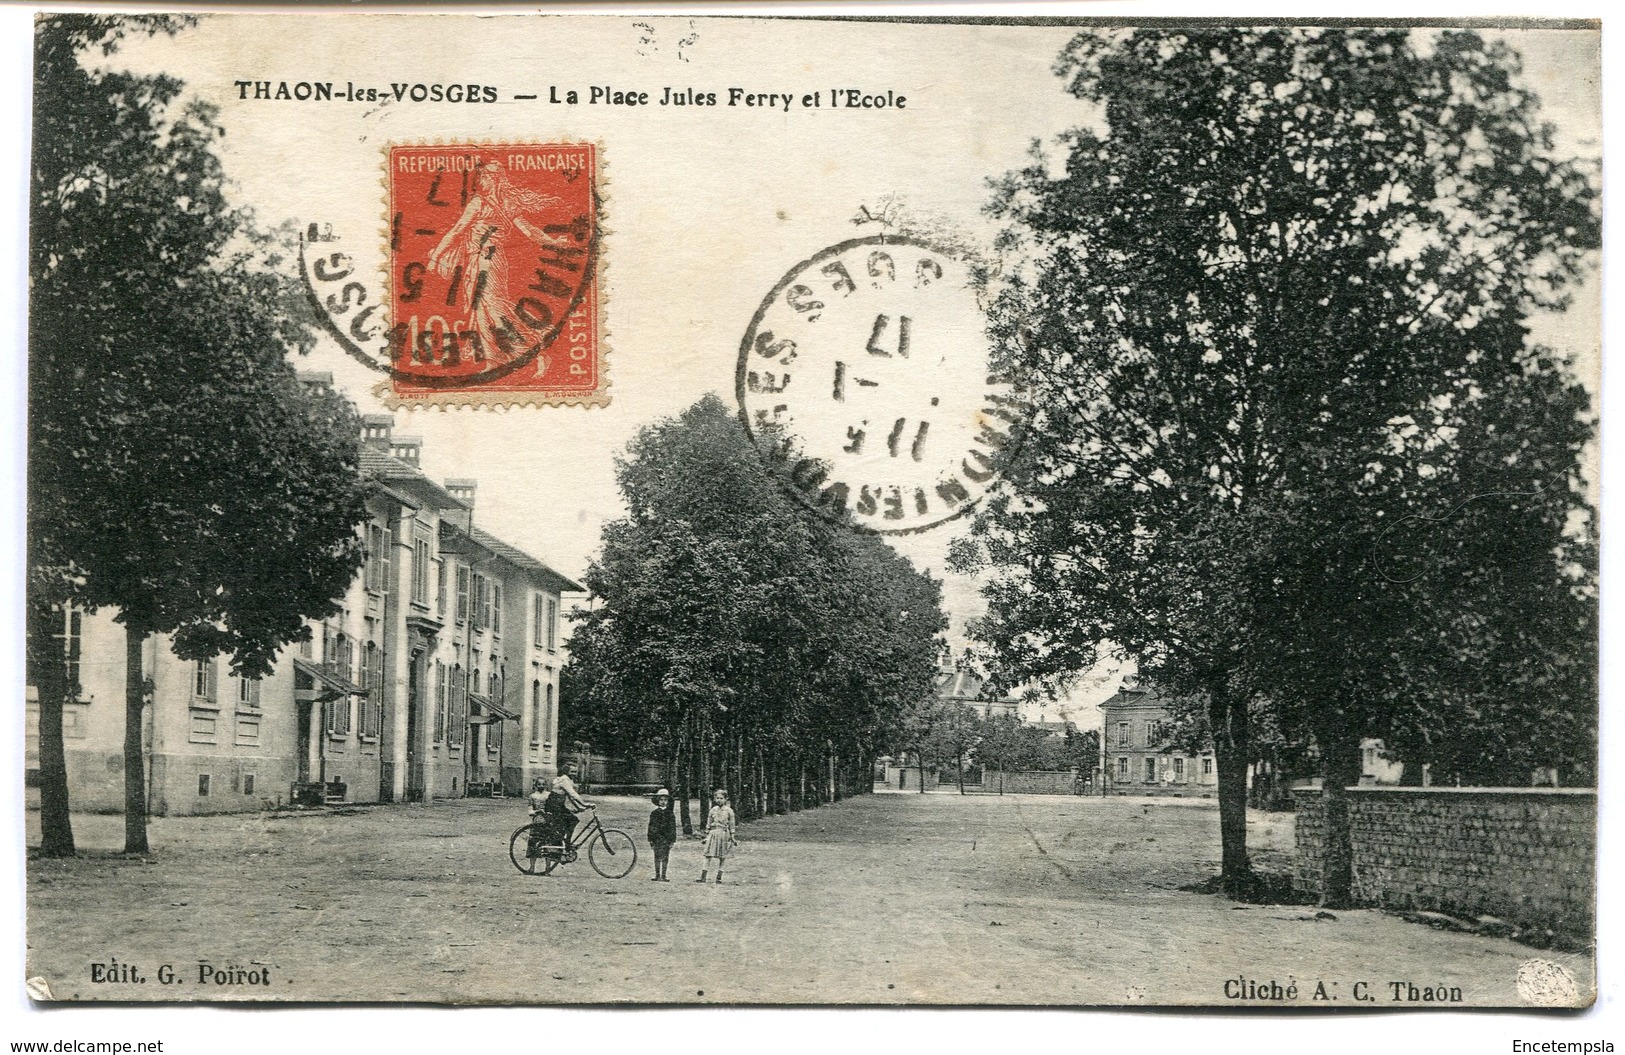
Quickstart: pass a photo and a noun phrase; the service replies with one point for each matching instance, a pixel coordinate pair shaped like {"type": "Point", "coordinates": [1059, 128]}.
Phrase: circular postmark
{"type": "Point", "coordinates": [864, 378]}
{"type": "Point", "coordinates": [491, 259]}
{"type": "Point", "coordinates": [1547, 984]}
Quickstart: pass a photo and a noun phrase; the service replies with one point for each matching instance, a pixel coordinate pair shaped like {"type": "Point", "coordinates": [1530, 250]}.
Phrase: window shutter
{"type": "Point", "coordinates": [384, 558]}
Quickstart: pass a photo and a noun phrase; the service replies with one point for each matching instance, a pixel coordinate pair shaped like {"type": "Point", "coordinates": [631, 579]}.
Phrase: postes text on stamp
{"type": "Point", "coordinates": [493, 262]}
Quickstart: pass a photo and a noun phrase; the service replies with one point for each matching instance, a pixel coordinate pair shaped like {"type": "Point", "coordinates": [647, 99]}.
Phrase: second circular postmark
{"type": "Point", "coordinates": [865, 378]}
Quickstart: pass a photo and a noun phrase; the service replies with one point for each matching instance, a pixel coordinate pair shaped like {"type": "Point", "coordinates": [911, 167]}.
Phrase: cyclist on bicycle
{"type": "Point", "coordinates": [564, 802]}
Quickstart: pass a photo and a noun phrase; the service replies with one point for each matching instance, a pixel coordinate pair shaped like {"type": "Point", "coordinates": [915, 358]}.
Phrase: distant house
{"type": "Point", "coordinates": [1140, 760]}
{"type": "Point", "coordinates": [1057, 729]}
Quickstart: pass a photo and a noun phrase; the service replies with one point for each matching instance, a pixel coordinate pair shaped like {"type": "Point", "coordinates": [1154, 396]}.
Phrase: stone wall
{"type": "Point", "coordinates": [1030, 782]}
{"type": "Point", "coordinates": [1526, 855]}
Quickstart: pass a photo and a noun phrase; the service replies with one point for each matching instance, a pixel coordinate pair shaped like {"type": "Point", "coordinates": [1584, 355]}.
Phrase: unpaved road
{"type": "Point", "coordinates": [882, 899]}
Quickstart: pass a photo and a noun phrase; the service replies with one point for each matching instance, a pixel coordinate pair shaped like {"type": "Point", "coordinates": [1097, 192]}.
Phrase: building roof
{"type": "Point", "coordinates": [381, 466]}
{"type": "Point", "coordinates": [524, 561]}
{"type": "Point", "coordinates": [385, 468]}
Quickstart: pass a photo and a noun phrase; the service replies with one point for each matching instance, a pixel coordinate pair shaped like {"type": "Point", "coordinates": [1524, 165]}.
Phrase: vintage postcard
{"type": "Point", "coordinates": [549, 510]}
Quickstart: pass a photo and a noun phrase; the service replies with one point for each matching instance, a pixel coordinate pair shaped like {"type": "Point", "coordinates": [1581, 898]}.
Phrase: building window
{"type": "Point", "coordinates": [341, 656]}
{"type": "Point", "coordinates": [462, 594]}
{"type": "Point", "coordinates": [1122, 767]}
{"type": "Point", "coordinates": [372, 704]}
{"type": "Point", "coordinates": [420, 572]}
{"type": "Point", "coordinates": [72, 625]}
{"type": "Point", "coordinates": [439, 702]}
{"type": "Point", "coordinates": [552, 625]}
{"type": "Point", "coordinates": [248, 694]}
{"type": "Point", "coordinates": [1370, 760]}
{"type": "Point", "coordinates": [539, 618]}
{"type": "Point", "coordinates": [1179, 771]}
{"type": "Point", "coordinates": [203, 680]}
{"type": "Point", "coordinates": [535, 712]}
{"type": "Point", "coordinates": [496, 608]}
{"type": "Point", "coordinates": [1207, 767]}
{"type": "Point", "coordinates": [547, 717]}
{"type": "Point", "coordinates": [1153, 732]}
{"type": "Point", "coordinates": [1122, 734]}
{"type": "Point", "coordinates": [248, 783]}
{"type": "Point", "coordinates": [482, 601]}
{"type": "Point", "coordinates": [203, 785]}
{"type": "Point", "coordinates": [338, 710]}
{"type": "Point", "coordinates": [459, 707]}
{"type": "Point", "coordinates": [378, 542]}
{"type": "Point", "coordinates": [1150, 771]}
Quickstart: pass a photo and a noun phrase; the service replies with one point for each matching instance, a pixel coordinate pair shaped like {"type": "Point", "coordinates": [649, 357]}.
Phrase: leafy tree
{"type": "Point", "coordinates": [1000, 743]}
{"type": "Point", "coordinates": [745, 640]}
{"type": "Point", "coordinates": [178, 470]}
{"type": "Point", "coordinates": [951, 737]}
{"type": "Point", "coordinates": [1282, 253]}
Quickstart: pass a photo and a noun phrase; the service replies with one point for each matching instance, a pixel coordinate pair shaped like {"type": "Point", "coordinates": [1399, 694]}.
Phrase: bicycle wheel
{"type": "Point", "coordinates": [527, 854]}
{"type": "Point", "coordinates": [612, 854]}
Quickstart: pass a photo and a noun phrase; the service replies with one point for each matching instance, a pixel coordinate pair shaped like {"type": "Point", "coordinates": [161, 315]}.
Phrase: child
{"type": "Point", "coordinates": [662, 832]}
{"type": "Point", "coordinates": [719, 834]}
{"type": "Point", "coordinates": [538, 809]}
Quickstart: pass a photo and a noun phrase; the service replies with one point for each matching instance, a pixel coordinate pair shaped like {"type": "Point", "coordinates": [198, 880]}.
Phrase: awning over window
{"type": "Point", "coordinates": [334, 682]}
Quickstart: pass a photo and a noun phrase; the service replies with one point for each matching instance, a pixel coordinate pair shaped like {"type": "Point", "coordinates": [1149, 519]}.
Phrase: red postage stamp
{"type": "Point", "coordinates": [493, 263]}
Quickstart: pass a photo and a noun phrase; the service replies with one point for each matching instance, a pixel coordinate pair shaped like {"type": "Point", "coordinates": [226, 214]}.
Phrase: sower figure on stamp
{"type": "Point", "coordinates": [719, 835]}
{"type": "Point", "coordinates": [662, 832]}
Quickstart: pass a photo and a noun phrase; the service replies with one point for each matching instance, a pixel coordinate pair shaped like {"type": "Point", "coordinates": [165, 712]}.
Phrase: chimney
{"type": "Point", "coordinates": [375, 430]}
{"type": "Point", "coordinates": [461, 489]}
{"type": "Point", "coordinates": [408, 449]}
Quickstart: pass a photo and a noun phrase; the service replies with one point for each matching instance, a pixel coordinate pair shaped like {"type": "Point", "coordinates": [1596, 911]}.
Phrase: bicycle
{"type": "Point", "coordinates": [610, 851]}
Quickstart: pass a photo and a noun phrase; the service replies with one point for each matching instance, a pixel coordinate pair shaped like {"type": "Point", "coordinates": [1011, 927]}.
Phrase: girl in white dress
{"type": "Point", "coordinates": [719, 834]}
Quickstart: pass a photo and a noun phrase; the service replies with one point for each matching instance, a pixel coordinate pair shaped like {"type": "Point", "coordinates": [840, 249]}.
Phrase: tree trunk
{"type": "Point", "coordinates": [50, 677]}
{"type": "Point", "coordinates": [685, 763]}
{"type": "Point", "coordinates": [919, 754]}
{"type": "Point", "coordinates": [1228, 717]}
{"type": "Point", "coordinates": [959, 767]}
{"type": "Point", "coordinates": [1340, 770]}
{"type": "Point", "coordinates": [705, 773]}
{"type": "Point", "coordinates": [135, 769]}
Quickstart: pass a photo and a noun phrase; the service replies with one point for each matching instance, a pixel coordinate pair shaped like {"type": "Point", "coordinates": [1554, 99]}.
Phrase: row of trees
{"type": "Point", "coordinates": [1292, 447]}
{"type": "Point", "coordinates": [747, 642]}
{"type": "Point", "coordinates": [177, 469]}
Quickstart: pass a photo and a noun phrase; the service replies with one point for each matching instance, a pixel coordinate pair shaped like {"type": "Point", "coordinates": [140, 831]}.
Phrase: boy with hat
{"type": "Point", "coordinates": [662, 832]}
